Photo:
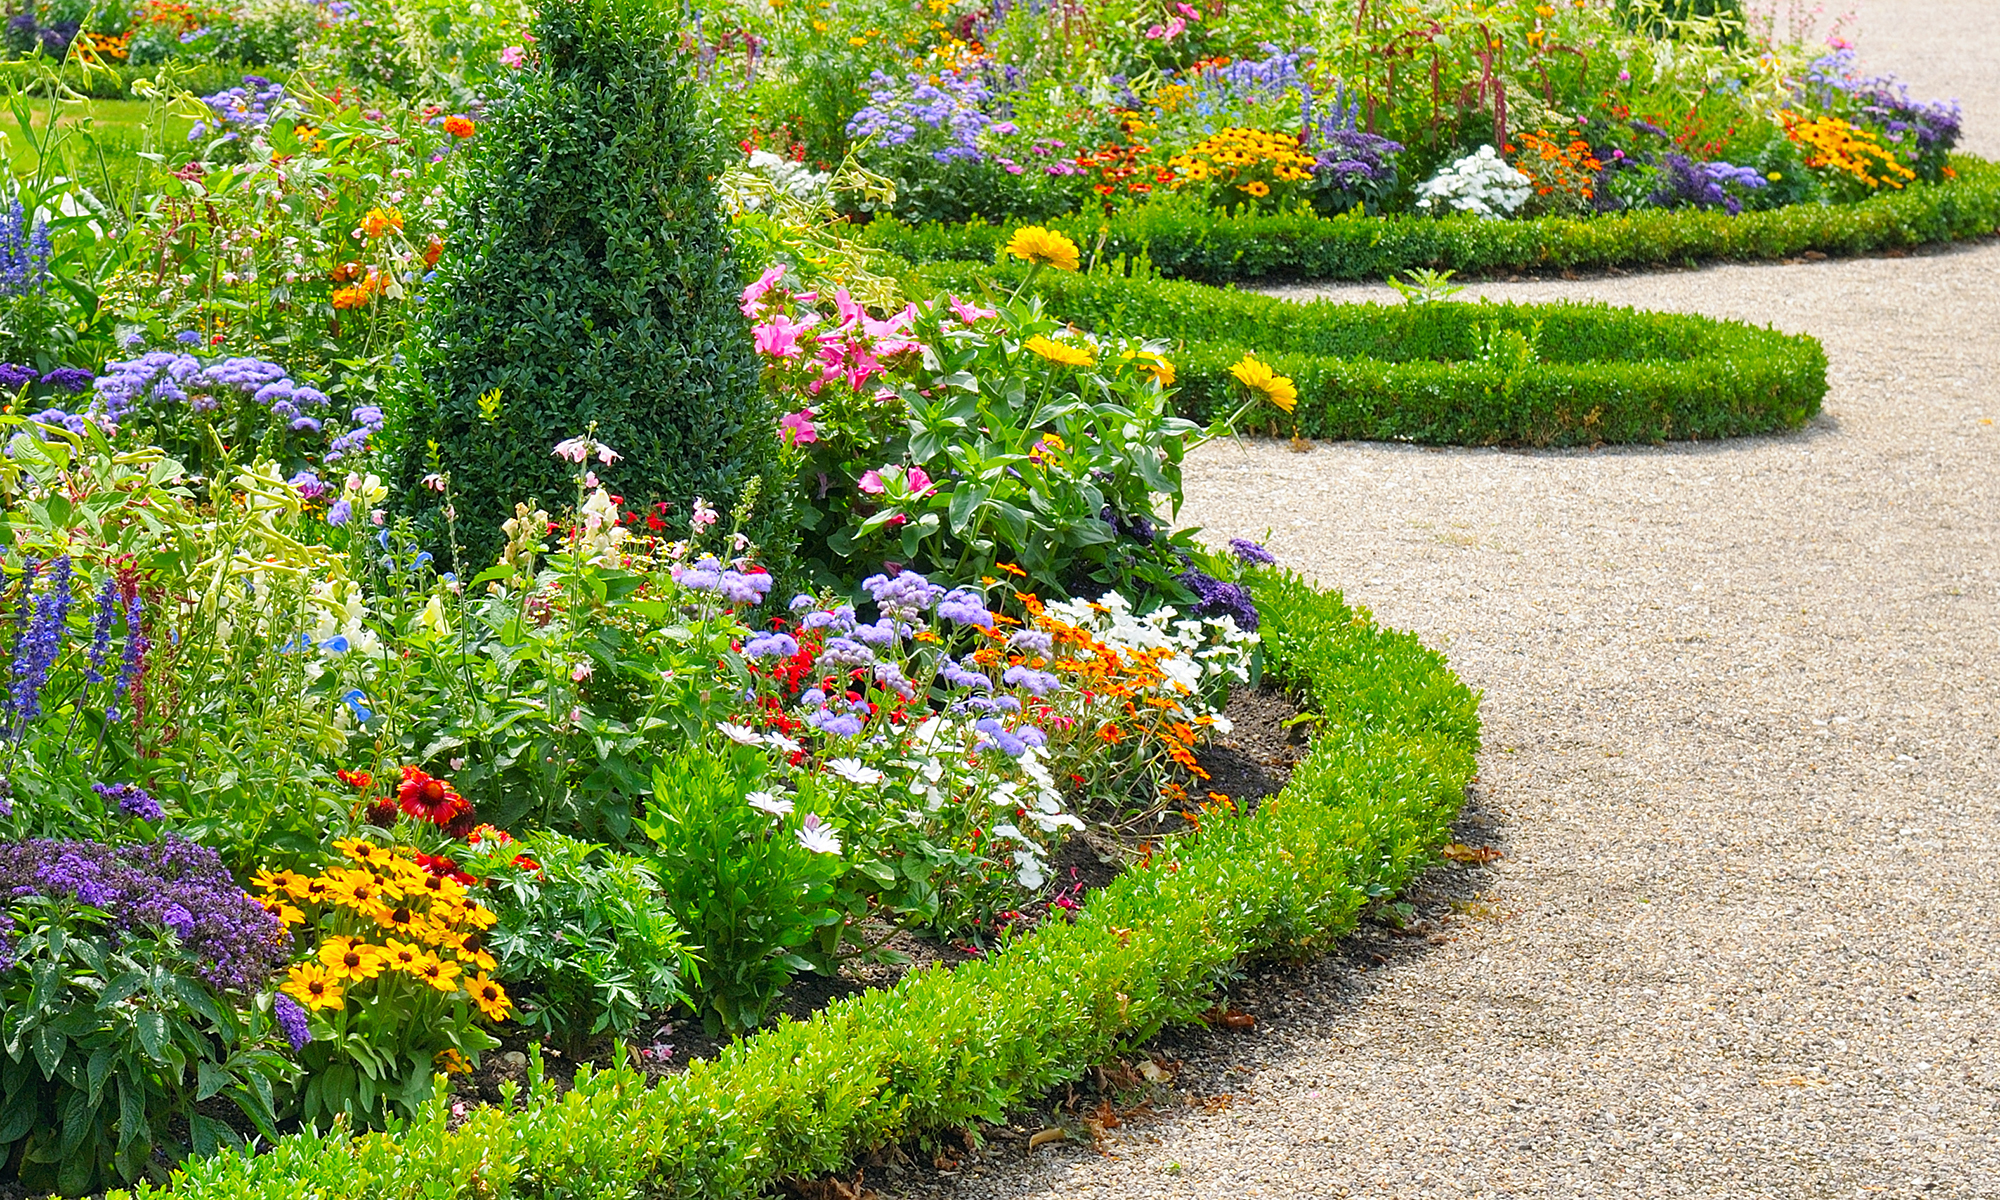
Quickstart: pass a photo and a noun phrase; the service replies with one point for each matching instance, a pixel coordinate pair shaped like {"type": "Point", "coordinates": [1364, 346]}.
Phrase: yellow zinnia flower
{"type": "Point", "coordinates": [314, 986]}
{"type": "Point", "coordinates": [1060, 352]}
{"type": "Point", "coordinates": [1152, 364]}
{"type": "Point", "coordinates": [1266, 383]}
{"type": "Point", "coordinates": [1043, 248]}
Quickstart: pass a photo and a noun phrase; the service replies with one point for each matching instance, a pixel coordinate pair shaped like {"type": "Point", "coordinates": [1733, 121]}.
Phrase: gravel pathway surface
{"type": "Point", "coordinates": [1743, 757]}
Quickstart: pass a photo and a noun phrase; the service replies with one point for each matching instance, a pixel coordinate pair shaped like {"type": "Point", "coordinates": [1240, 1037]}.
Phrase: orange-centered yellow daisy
{"type": "Point", "coordinates": [1043, 248]}
{"type": "Point", "coordinates": [1266, 384]}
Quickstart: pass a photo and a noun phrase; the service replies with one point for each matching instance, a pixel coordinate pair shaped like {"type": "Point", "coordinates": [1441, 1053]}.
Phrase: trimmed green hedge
{"type": "Point", "coordinates": [1214, 248]}
{"type": "Point", "coordinates": [940, 1050]}
{"type": "Point", "coordinates": [1450, 373]}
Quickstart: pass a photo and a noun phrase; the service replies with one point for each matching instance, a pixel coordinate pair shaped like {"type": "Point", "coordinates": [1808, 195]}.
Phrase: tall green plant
{"type": "Point", "coordinates": [590, 279]}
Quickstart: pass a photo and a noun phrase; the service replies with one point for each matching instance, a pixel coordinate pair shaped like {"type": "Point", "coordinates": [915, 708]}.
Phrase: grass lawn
{"type": "Point", "coordinates": [96, 139]}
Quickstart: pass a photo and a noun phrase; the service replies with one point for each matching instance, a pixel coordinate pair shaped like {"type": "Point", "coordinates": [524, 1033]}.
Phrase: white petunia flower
{"type": "Point", "coordinates": [766, 802]}
{"type": "Point", "coordinates": [852, 771]}
{"type": "Point", "coordinates": [742, 735]}
{"type": "Point", "coordinates": [819, 838]}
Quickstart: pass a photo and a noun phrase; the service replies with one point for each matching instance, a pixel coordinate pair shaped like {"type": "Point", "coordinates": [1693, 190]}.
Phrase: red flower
{"type": "Point", "coordinates": [360, 781]}
{"type": "Point", "coordinates": [430, 799]}
{"type": "Point", "coordinates": [444, 868]}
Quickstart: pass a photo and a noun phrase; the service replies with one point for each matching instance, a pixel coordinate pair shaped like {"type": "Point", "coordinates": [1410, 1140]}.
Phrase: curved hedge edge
{"type": "Point", "coordinates": [1361, 814]}
{"type": "Point", "coordinates": [1292, 247]}
{"type": "Point", "coordinates": [1390, 372]}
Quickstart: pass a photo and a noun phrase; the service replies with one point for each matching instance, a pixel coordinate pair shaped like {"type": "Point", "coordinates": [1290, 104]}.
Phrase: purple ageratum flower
{"type": "Point", "coordinates": [962, 677]}
{"type": "Point", "coordinates": [742, 587]}
{"type": "Point", "coordinates": [1035, 683]}
{"type": "Point", "coordinates": [340, 512]}
{"type": "Point", "coordinates": [1028, 641]}
{"type": "Point", "coordinates": [993, 733]}
{"type": "Point", "coordinates": [1252, 553]}
{"type": "Point", "coordinates": [838, 618]}
{"type": "Point", "coordinates": [168, 884]}
{"type": "Point", "coordinates": [898, 112]}
{"type": "Point", "coordinates": [292, 1021]}
{"type": "Point", "coordinates": [891, 676]}
{"type": "Point", "coordinates": [188, 337]}
{"type": "Point", "coordinates": [1685, 183]}
{"type": "Point", "coordinates": [834, 724]}
{"type": "Point", "coordinates": [964, 607]}
{"type": "Point", "coordinates": [903, 597]}
{"type": "Point", "coordinates": [843, 654]}
{"type": "Point", "coordinates": [771, 645]}
{"type": "Point", "coordinates": [883, 633]}
{"type": "Point", "coordinates": [987, 704]}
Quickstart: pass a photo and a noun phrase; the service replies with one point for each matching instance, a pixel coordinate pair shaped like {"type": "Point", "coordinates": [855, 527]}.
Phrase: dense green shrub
{"type": "Point", "coordinates": [590, 281]}
{"type": "Point", "coordinates": [1189, 242]}
{"type": "Point", "coordinates": [1397, 733]}
{"type": "Point", "coordinates": [1477, 374]}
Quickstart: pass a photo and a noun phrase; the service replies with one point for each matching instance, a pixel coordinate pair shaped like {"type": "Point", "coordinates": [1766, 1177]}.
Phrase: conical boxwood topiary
{"type": "Point", "coordinates": [588, 278]}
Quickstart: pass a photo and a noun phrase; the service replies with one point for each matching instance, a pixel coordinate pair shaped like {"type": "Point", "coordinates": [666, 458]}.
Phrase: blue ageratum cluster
{"type": "Point", "coordinates": [251, 106]}
{"type": "Point", "coordinates": [1924, 132]}
{"type": "Point", "coordinates": [25, 251]}
{"type": "Point", "coordinates": [162, 380]}
{"type": "Point", "coordinates": [898, 113]}
{"type": "Point", "coordinates": [145, 890]}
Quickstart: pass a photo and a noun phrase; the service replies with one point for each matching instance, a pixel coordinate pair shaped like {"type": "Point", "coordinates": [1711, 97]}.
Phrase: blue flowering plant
{"type": "Point", "coordinates": [1921, 133]}
{"type": "Point", "coordinates": [135, 990]}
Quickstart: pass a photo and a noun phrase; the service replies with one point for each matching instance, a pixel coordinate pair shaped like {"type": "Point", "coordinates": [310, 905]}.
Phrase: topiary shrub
{"type": "Point", "coordinates": [590, 279]}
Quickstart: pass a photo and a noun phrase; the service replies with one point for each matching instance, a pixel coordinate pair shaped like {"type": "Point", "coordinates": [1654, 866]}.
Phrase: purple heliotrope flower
{"type": "Point", "coordinates": [1252, 553]}
{"type": "Point", "coordinates": [292, 1021]}
{"type": "Point", "coordinates": [1214, 598]}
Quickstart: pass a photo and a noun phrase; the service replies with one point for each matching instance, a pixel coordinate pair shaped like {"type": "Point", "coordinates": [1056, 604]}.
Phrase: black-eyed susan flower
{"type": "Point", "coordinates": [1060, 352]}
{"type": "Point", "coordinates": [489, 996]}
{"type": "Point", "coordinates": [351, 960]}
{"type": "Point", "coordinates": [314, 986]}
{"type": "Point", "coordinates": [407, 957]}
{"type": "Point", "coordinates": [439, 973]}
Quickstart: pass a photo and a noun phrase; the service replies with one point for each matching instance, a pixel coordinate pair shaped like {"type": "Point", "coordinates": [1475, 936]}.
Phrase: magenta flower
{"type": "Point", "coordinates": [968, 312]}
{"type": "Point", "coordinates": [871, 483]}
{"type": "Point", "coordinates": [513, 56]}
{"type": "Point", "coordinates": [920, 484]}
{"type": "Point", "coordinates": [798, 428]}
{"type": "Point", "coordinates": [779, 336]}
{"type": "Point", "coordinates": [753, 296]}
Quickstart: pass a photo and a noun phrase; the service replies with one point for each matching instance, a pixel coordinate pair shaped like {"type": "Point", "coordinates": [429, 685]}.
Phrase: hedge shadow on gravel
{"type": "Point", "coordinates": [1396, 737]}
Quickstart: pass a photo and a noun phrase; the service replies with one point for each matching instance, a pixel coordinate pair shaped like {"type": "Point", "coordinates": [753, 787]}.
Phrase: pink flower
{"type": "Point", "coordinates": [753, 296]}
{"type": "Point", "coordinates": [920, 484]}
{"type": "Point", "coordinates": [513, 56]}
{"type": "Point", "coordinates": [779, 336]}
{"type": "Point", "coordinates": [1156, 32]}
{"type": "Point", "coordinates": [1189, 11]}
{"type": "Point", "coordinates": [871, 483]}
{"type": "Point", "coordinates": [798, 429]}
{"type": "Point", "coordinates": [970, 313]}
{"type": "Point", "coordinates": [850, 312]}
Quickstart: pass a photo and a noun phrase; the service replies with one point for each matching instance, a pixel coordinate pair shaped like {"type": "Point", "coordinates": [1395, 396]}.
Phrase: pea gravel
{"type": "Point", "coordinates": [1743, 758]}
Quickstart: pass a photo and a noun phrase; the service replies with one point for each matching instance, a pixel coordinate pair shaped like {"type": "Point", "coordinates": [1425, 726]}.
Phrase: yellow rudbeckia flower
{"type": "Point", "coordinates": [1265, 383]}
{"type": "Point", "coordinates": [1044, 248]}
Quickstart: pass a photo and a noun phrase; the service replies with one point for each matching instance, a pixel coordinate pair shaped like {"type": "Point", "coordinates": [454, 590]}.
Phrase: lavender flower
{"type": "Point", "coordinates": [132, 800]}
{"type": "Point", "coordinates": [1214, 598]}
{"type": "Point", "coordinates": [169, 884]}
{"type": "Point", "coordinates": [1252, 553]}
{"type": "Point", "coordinates": [292, 1021]}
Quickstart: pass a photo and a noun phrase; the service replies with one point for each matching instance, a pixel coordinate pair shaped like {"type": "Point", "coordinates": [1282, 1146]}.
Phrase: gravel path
{"type": "Point", "coordinates": [1743, 756]}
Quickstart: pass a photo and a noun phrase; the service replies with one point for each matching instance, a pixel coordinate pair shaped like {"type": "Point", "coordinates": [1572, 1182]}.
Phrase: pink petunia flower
{"type": "Point", "coordinates": [798, 428]}
{"type": "Point", "coordinates": [871, 483]}
{"type": "Point", "coordinates": [753, 296]}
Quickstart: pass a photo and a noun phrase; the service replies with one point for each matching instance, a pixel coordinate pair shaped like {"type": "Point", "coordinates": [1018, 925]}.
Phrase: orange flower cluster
{"type": "Point", "coordinates": [96, 47]}
{"type": "Point", "coordinates": [383, 919]}
{"type": "Point", "coordinates": [1553, 167]}
{"type": "Point", "coordinates": [363, 284]}
{"type": "Point", "coordinates": [1831, 143]}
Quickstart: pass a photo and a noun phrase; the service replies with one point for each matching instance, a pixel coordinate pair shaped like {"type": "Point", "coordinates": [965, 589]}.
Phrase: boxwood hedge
{"type": "Point", "coordinates": [1184, 242]}
{"type": "Point", "coordinates": [1451, 373]}
{"type": "Point", "coordinates": [1396, 737]}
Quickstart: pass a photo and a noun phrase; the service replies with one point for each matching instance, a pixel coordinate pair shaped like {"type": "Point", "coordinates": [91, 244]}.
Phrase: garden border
{"type": "Point", "coordinates": [1293, 247]}
{"type": "Point", "coordinates": [1397, 732]}
{"type": "Point", "coordinates": [1578, 373]}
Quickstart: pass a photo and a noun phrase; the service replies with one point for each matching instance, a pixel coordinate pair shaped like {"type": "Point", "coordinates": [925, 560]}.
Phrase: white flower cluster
{"type": "Point", "coordinates": [753, 186]}
{"type": "Point", "coordinates": [1481, 182]}
{"type": "Point", "coordinates": [1206, 655]}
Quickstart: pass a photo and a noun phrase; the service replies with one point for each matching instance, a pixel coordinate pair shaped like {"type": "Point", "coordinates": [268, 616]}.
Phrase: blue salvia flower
{"type": "Point", "coordinates": [35, 649]}
{"type": "Point", "coordinates": [100, 629]}
{"type": "Point", "coordinates": [136, 645]}
{"type": "Point", "coordinates": [24, 253]}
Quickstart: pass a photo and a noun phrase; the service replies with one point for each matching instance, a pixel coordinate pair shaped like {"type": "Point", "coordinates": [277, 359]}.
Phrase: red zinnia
{"type": "Point", "coordinates": [429, 799]}
{"type": "Point", "coordinates": [360, 781]}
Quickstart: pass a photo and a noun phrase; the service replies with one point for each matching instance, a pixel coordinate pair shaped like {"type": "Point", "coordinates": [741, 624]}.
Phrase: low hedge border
{"type": "Point", "coordinates": [1274, 247]}
{"type": "Point", "coordinates": [1363, 812]}
{"type": "Point", "coordinates": [1450, 373]}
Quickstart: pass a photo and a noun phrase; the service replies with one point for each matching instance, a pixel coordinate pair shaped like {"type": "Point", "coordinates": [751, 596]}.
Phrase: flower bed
{"type": "Point", "coordinates": [1277, 247]}
{"type": "Point", "coordinates": [1454, 373]}
{"type": "Point", "coordinates": [1385, 775]}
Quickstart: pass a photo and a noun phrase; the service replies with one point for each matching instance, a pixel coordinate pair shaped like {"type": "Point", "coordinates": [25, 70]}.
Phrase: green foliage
{"type": "Point", "coordinates": [1184, 243]}
{"type": "Point", "coordinates": [1431, 373]}
{"type": "Point", "coordinates": [747, 892]}
{"type": "Point", "coordinates": [108, 1042]}
{"type": "Point", "coordinates": [581, 940]}
{"type": "Point", "coordinates": [596, 284]}
{"type": "Point", "coordinates": [943, 1049]}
